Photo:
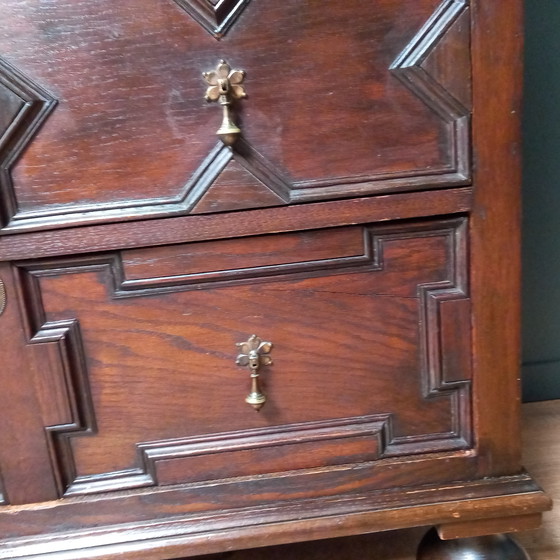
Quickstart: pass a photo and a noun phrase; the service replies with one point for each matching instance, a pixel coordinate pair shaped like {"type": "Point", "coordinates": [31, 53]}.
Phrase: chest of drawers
{"type": "Point", "coordinates": [302, 326]}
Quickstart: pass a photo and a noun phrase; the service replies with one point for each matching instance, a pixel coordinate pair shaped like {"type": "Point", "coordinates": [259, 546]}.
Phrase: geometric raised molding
{"type": "Point", "coordinates": [189, 459]}
{"type": "Point", "coordinates": [74, 384]}
{"type": "Point", "coordinates": [439, 307]}
{"type": "Point", "coordinates": [236, 188]}
{"type": "Point", "coordinates": [130, 278]}
{"type": "Point", "coordinates": [216, 16]}
{"type": "Point", "coordinates": [448, 62]}
{"type": "Point", "coordinates": [24, 106]}
{"type": "Point", "coordinates": [421, 69]}
{"type": "Point", "coordinates": [273, 189]}
{"type": "Point", "coordinates": [434, 66]}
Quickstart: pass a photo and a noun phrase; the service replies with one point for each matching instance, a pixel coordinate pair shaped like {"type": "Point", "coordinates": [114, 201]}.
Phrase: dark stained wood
{"type": "Point", "coordinates": [24, 106]}
{"type": "Point", "coordinates": [453, 315]}
{"type": "Point", "coordinates": [159, 519]}
{"type": "Point", "coordinates": [450, 53]}
{"type": "Point", "coordinates": [495, 222]}
{"type": "Point", "coordinates": [495, 526]}
{"type": "Point", "coordinates": [314, 247]}
{"type": "Point", "coordinates": [215, 16]}
{"type": "Point", "coordinates": [260, 452]}
{"type": "Point", "coordinates": [541, 446]}
{"type": "Point", "coordinates": [252, 222]}
{"type": "Point", "coordinates": [101, 156]}
{"type": "Point", "coordinates": [236, 189]}
{"type": "Point", "coordinates": [365, 222]}
{"type": "Point", "coordinates": [140, 350]}
{"type": "Point", "coordinates": [26, 469]}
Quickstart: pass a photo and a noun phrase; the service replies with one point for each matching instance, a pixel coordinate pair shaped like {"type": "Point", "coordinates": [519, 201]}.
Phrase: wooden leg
{"type": "Point", "coordinates": [493, 547]}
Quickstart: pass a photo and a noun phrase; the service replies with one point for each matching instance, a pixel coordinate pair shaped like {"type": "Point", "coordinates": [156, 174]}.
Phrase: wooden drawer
{"type": "Point", "coordinates": [136, 354]}
{"type": "Point", "coordinates": [346, 102]}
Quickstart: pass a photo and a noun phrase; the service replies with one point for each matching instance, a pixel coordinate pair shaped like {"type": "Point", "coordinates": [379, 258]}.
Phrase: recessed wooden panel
{"type": "Point", "coordinates": [269, 450]}
{"type": "Point", "coordinates": [251, 257]}
{"type": "Point", "coordinates": [362, 330]}
{"type": "Point", "coordinates": [236, 189]}
{"type": "Point", "coordinates": [449, 55]}
{"type": "Point", "coordinates": [132, 135]}
{"type": "Point", "coordinates": [454, 318]}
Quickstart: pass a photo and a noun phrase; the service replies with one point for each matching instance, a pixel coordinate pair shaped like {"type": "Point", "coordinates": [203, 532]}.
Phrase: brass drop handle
{"type": "Point", "coordinates": [225, 86]}
{"type": "Point", "coordinates": [254, 354]}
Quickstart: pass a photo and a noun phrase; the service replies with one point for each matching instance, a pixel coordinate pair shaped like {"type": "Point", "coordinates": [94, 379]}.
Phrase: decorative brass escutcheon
{"type": "Point", "coordinates": [254, 354]}
{"type": "Point", "coordinates": [225, 86]}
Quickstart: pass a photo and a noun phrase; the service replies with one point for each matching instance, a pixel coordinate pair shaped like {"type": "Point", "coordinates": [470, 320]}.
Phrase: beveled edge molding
{"type": "Point", "coordinates": [203, 178]}
{"type": "Point", "coordinates": [183, 203]}
{"type": "Point", "coordinates": [244, 154]}
{"type": "Point", "coordinates": [216, 17]}
{"type": "Point", "coordinates": [432, 370]}
{"type": "Point", "coordinates": [207, 227]}
{"type": "Point", "coordinates": [66, 336]}
{"type": "Point", "coordinates": [370, 260]}
{"type": "Point", "coordinates": [38, 103]}
{"type": "Point", "coordinates": [123, 287]}
{"type": "Point", "coordinates": [407, 67]}
{"type": "Point", "coordinates": [150, 453]}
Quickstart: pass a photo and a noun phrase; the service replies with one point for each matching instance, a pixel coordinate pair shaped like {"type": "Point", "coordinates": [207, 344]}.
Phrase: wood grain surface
{"type": "Point", "coordinates": [97, 155]}
{"type": "Point", "coordinates": [394, 316]}
{"type": "Point", "coordinates": [140, 348]}
{"type": "Point", "coordinates": [541, 453]}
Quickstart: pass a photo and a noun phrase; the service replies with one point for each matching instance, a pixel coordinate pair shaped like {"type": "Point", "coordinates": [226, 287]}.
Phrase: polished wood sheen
{"type": "Point", "coordinates": [131, 364]}
{"type": "Point", "coordinates": [424, 139]}
{"type": "Point", "coordinates": [365, 223]}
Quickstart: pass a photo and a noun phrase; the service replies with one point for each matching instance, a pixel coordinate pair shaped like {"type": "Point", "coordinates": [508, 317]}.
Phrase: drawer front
{"type": "Point", "coordinates": [135, 354]}
{"type": "Point", "coordinates": [103, 114]}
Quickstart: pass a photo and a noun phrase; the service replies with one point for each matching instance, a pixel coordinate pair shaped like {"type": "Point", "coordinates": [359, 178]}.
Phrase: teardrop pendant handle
{"type": "Point", "coordinates": [254, 354]}
{"type": "Point", "coordinates": [224, 86]}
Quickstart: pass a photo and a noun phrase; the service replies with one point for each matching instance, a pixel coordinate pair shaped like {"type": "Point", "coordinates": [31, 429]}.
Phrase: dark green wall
{"type": "Point", "coordinates": [541, 201]}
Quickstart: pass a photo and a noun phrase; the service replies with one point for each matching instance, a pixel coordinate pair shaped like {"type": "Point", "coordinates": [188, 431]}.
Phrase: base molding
{"type": "Point", "coordinates": [167, 529]}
